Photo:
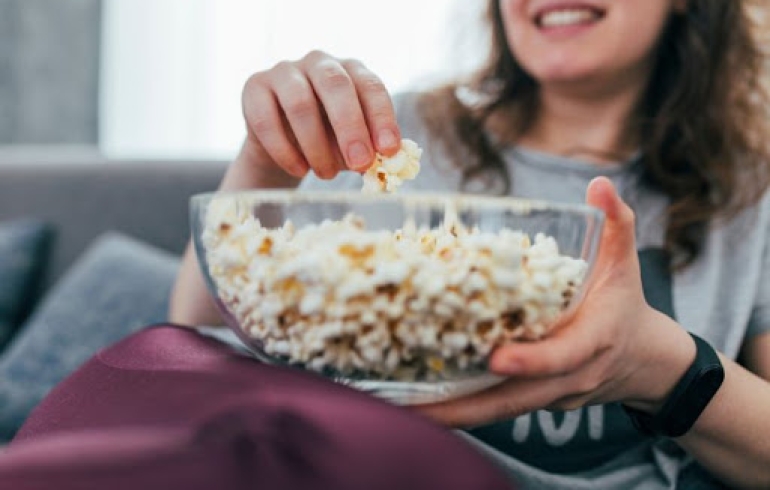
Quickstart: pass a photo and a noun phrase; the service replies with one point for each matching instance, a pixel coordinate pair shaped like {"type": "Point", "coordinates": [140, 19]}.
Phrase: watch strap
{"type": "Point", "coordinates": [688, 399]}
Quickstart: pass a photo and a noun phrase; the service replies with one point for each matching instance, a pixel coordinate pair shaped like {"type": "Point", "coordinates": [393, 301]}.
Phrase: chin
{"type": "Point", "coordinates": [562, 75]}
{"type": "Point", "coordinates": [563, 66]}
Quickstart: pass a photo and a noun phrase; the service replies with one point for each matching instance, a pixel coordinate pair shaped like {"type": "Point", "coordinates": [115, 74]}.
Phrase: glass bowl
{"type": "Point", "coordinates": [403, 296]}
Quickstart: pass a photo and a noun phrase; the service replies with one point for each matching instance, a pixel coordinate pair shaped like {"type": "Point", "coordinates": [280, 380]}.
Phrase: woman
{"type": "Point", "coordinates": [659, 101]}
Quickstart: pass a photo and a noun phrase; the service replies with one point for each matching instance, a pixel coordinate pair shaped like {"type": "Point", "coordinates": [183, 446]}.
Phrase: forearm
{"type": "Point", "coordinates": [190, 302]}
{"type": "Point", "coordinates": [731, 437]}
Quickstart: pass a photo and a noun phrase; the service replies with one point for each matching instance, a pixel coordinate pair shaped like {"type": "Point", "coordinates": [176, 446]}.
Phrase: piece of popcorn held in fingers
{"type": "Point", "coordinates": [387, 174]}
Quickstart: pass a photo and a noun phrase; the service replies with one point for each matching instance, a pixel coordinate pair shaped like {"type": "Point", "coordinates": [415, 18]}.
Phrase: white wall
{"type": "Point", "coordinates": [172, 70]}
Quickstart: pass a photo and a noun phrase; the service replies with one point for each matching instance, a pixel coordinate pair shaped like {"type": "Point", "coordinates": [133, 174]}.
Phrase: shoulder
{"type": "Point", "coordinates": [763, 213]}
{"type": "Point", "coordinates": [749, 229]}
{"type": "Point", "coordinates": [756, 215]}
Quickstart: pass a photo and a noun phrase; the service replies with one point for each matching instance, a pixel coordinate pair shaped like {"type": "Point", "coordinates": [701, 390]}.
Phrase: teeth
{"type": "Point", "coordinates": [567, 17]}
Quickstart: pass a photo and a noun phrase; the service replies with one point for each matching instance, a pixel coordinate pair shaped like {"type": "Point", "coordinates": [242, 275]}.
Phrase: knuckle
{"type": "Point", "coordinates": [332, 76]}
{"type": "Point", "coordinates": [570, 404]}
{"type": "Point", "coordinates": [286, 73]}
{"type": "Point", "coordinates": [254, 84]}
{"type": "Point", "coordinates": [261, 123]}
{"type": "Point", "coordinates": [315, 56]}
{"type": "Point", "coordinates": [300, 105]}
{"type": "Point", "coordinates": [591, 379]}
{"type": "Point", "coordinates": [366, 80]}
{"type": "Point", "coordinates": [282, 68]}
{"type": "Point", "coordinates": [352, 64]}
{"type": "Point", "coordinates": [371, 84]}
{"type": "Point", "coordinates": [255, 80]}
{"type": "Point", "coordinates": [587, 384]}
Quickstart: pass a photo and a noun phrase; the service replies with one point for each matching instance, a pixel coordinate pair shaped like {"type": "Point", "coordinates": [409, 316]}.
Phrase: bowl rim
{"type": "Point", "coordinates": [442, 389]}
{"type": "Point", "coordinates": [422, 198]}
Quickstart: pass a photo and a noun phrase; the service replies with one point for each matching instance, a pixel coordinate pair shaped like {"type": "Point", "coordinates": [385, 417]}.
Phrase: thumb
{"type": "Point", "coordinates": [618, 236]}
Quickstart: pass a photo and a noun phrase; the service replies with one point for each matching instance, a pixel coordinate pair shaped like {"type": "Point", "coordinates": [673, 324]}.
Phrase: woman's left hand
{"type": "Point", "coordinates": [614, 348]}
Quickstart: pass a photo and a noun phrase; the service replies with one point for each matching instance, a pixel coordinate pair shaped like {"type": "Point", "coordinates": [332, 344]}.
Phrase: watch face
{"type": "Point", "coordinates": [694, 399]}
{"type": "Point", "coordinates": [706, 385]}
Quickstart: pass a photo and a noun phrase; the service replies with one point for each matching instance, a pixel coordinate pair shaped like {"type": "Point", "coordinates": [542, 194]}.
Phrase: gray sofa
{"type": "Point", "coordinates": [86, 196]}
{"type": "Point", "coordinates": [117, 228]}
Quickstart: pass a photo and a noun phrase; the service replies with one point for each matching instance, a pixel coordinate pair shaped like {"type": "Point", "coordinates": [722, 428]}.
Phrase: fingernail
{"type": "Point", "coordinates": [387, 139]}
{"type": "Point", "coordinates": [358, 155]}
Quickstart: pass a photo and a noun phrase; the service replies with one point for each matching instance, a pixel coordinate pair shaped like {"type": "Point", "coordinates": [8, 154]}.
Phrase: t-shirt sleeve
{"type": "Point", "coordinates": [759, 322]}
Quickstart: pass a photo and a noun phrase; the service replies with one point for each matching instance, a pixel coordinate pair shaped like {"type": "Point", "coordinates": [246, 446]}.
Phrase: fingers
{"type": "Point", "coordinates": [571, 367]}
{"type": "Point", "coordinates": [565, 352]}
{"type": "Point", "coordinates": [337, 93]}
{"type": "Point", "coordinates": [555, 386]}
{"type": "Point", "coordinates": [504, 401]}
{"type": "Point", "coordinates": [618, 237]}
{"type": "Point", "coordinates": [265, 122]}
{"type": "Point", "coordinates": [320, 113]}
{"type": "Point", "coordinates": [579, 342]}
{"type": "Point", "coordinates": [377, 106]}
{"type": "Point", "coordinates": [296, 97]}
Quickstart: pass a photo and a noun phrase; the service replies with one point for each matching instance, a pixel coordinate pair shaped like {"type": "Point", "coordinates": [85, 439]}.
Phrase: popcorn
{"type": "Point", "coordinates": [387, 174]}
{"type": "Point", "coordinates": [414, 304]}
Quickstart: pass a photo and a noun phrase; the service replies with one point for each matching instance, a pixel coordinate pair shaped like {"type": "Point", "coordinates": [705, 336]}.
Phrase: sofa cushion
{"type": "Point", "coordinates": [116, 287]}
{"type": "Point", "coordinates": [24, 250]}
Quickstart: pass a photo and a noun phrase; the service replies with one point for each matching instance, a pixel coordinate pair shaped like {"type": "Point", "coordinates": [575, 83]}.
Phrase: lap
{"type": "Point", "coordinates": [278, 421]}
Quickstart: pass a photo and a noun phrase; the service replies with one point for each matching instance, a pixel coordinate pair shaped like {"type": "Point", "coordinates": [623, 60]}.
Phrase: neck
{"type": "Point", "coordinates": [591, 125]}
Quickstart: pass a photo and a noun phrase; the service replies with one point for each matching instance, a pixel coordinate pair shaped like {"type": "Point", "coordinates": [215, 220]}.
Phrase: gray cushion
{"type": "Point", "coordinates": [116, 287]}
{"type": "Point", "coordinates": [24, 250]}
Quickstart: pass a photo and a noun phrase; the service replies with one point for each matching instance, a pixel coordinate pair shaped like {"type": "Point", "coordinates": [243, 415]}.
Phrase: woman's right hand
{"type": "Point", "coordinates": [319, 113]}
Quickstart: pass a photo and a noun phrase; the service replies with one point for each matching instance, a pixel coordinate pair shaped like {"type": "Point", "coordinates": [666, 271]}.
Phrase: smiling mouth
{"type": "Point", "coordinates": [566, 17]}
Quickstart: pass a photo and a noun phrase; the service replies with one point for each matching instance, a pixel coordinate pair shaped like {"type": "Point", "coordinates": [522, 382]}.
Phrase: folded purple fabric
{"type": "Point", "coordinates": [168, 408]}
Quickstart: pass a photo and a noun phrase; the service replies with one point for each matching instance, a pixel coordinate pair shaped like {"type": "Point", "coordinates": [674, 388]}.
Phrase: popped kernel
{"type": "Point", "coordinates": [405, 305]}
{"type": "Point", "coordinates": [387, 174]}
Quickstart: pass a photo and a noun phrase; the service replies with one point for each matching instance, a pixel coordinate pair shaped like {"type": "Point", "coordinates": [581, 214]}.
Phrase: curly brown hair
{"type": "Point", "coordinates": [702, 123]}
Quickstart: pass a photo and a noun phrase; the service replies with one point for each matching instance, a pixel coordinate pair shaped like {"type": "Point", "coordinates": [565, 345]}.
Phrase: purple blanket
{"type": "Point", "coordinates": [168, 408]}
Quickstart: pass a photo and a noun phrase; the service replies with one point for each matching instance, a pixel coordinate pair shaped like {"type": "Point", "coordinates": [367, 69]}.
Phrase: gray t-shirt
{"type": "Point", "coordinates": [724, 297]}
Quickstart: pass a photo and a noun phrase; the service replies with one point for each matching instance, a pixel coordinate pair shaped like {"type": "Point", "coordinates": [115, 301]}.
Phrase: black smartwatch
{"type": "Point", "coordinates": [689, 398]}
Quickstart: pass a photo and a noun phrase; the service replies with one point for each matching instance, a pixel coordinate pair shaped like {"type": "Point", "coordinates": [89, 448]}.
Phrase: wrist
{"type": "Point", "coordinates": [670, 353]}
{"type": "Point", "coordinates": [689, 398]}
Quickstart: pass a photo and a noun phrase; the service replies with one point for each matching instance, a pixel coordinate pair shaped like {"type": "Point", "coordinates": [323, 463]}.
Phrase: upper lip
{"type": "Point", "coordinates": [541, 8]}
